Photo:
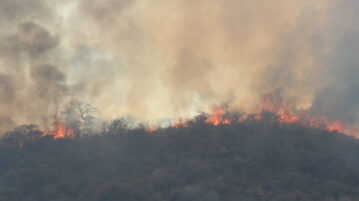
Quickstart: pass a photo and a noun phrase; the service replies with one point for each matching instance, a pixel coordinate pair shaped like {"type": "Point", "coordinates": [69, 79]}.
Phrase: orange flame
{"type": "Point", "coordinates": [333, 126]}
{"type": "Point", "coordinates": [60, 131]}
{"type": "Point", "coordinates": [285, 115]}
{"type": "Point", "coordinates": [282, 113]}
{"type": "Point", "coordinates": [288, 117]}
{"type": "Point", "coordinates": [179, 123]}
{"type": "Point", "coordinates": [217, 118]}
{"type": "Point", "coordinates": [152, 129]}
{"type": "Point", "coordinates": [336, 126]}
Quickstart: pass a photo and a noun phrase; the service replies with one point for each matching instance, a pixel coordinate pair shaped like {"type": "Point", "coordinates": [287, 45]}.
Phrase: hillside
{"type": "Point", "coordinates": [248, 161]}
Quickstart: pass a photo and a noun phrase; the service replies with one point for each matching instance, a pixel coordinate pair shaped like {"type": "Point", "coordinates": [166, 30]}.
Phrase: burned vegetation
{"type": "Point", "coordinates": [252, 160]}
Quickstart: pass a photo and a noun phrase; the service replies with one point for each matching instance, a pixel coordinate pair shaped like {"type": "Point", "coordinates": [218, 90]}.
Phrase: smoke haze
{"type": "Point", "coordinates": [164, 59]}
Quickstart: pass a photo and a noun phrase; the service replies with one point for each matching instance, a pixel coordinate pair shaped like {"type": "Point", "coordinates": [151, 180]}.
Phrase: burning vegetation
{"type": "Point", "coordinates": [223, 116]}
{"type": "Point", "coordinates": [277, 111]}
{"type": "Point", "coordinates": [61, 131]}
{"type": "Point", "coordinates": [205, 158]}
{"type": "Point", "coordinates": [278, 84]}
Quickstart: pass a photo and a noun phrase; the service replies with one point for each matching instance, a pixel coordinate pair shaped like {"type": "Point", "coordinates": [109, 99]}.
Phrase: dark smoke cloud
{"type": "Point", "coordinates": [31, 86]}
{"type": "Point", "coordinates": [104, 11]}
{"type": "Point", "coordinates": [159, 59]}
{"type": "Point", "coordinates": [49, 82]}
{"type": "Point", "coordinates": [340, 99]}
{"type": "Point", "coordinates": [31, 41]}
{"type": "Point", "coordinates": [13, 11]}
{"type": "Point", "coordinates": [7, 88]}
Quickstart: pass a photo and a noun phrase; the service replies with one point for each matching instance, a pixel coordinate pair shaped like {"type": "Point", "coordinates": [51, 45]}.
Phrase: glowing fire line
{"type": "Point", "coordinates": [283, 115]}
{"type": "Point", "coordinates": [61, 131]}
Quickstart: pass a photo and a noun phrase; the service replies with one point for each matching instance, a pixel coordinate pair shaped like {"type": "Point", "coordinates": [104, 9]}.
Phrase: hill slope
{"type": "Point", "coordinates": [250, 161]}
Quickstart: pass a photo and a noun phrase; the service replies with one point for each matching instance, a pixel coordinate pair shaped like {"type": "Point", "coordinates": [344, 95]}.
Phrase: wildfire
{"type": "Point", "coordinates": [281, 115]}
{"type": "Point", "coordinates": [217, 117]}
{"type": "Point", "coordinates": [285, 115]}
{"type": "Point", "coordinates": [288, 117]}
{"type": "Point", "coordinates": [179, 123]}
{"type": "Point", "coordinates": [152, 129]}
{"type": "Point", "coordinates": [322, 122]}
{"type": "Point", "coordinates": [280, 112]}
{"type": "Point", "coordinates": [61, 131]}
{"type": "Point", "coordinates": [332, 126]}
{"type": "Point", "coordinates": [336, 126]}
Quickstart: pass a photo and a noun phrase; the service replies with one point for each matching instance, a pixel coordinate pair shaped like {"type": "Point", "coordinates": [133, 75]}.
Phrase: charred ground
{"type": "Point", "coordinates": [249, 161]}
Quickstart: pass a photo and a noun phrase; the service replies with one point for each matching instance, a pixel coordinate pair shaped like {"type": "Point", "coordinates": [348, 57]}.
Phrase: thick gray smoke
{"type": "Point", "coordinates": [164, 59]}
{"type": "Point", "coordinates": [32, 86]}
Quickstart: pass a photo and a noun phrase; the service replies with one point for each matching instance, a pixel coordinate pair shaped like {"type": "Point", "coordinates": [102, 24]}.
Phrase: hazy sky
{"type": "Point", "coordinates": [158, 59]}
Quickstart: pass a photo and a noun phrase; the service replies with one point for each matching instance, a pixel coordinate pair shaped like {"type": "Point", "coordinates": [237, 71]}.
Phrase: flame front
{"type": "Point", "coordinates": [152, 129]}
{"type": "Point", "coordinates": [283, 115]}
{"type": "Point", "coordinates": [217, 117]}
{"type": "Point", "coordinates": [303, 117]}
{"type": "Point", "coordinates": [61, 131]}
{"type": "Point", "coordinates": [179, 123]}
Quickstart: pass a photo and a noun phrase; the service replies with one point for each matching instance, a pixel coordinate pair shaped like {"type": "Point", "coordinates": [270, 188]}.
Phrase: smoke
{"type": "Point", "coordinates": [163, 59]}
{"type": "Point", "coordinates": [31, 86]}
